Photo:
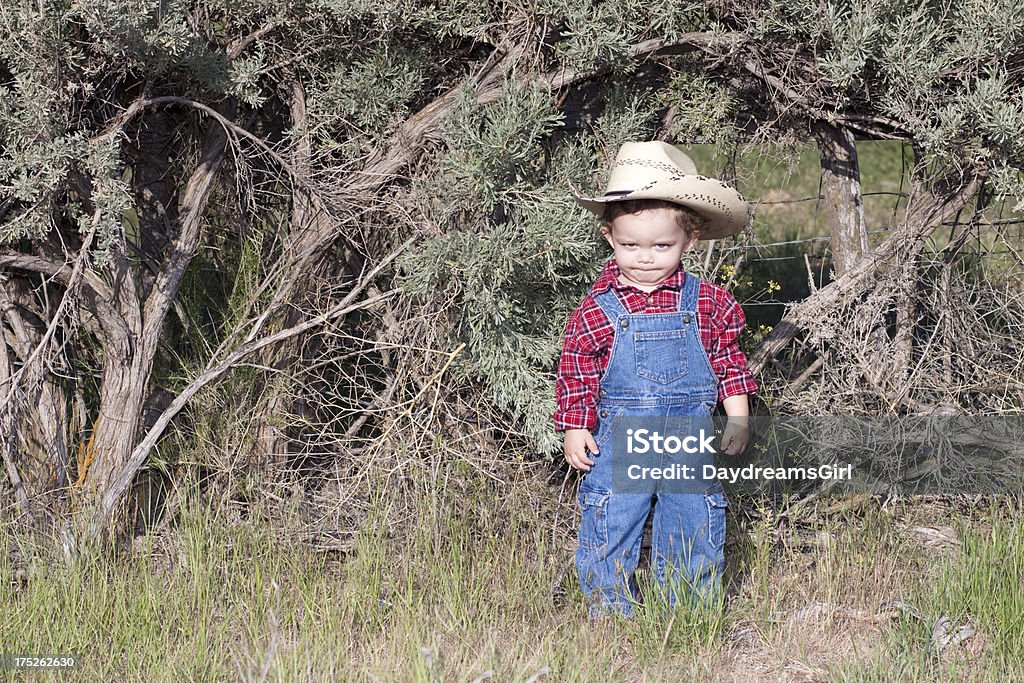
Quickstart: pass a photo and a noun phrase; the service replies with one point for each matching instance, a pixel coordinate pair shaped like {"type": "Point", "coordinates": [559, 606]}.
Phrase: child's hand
{"type": "Point", "coordinates": [575, 446]}
{"type": "Point", "coordinates": [735, 436]}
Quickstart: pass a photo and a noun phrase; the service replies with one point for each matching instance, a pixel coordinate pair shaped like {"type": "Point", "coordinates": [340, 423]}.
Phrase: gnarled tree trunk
{"type": "Point", "coordinates": [843, 202]}
{"type": "Point", "coordinates": [131, 335]}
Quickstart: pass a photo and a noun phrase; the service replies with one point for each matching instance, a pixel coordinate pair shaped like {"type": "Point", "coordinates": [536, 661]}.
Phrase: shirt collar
{"type": "Point", "coordinates": [609, 279]}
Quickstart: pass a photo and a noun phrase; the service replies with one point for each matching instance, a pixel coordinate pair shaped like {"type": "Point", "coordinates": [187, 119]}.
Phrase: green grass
{"type": "Point", "coordinates": [980, 587]}
{"type": "Point", "coordinates": [453, 595]}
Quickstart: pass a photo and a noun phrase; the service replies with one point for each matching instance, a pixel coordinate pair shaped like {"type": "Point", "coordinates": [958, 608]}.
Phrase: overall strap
{"type": "Point", "coordinates": [688, 293]}
{"type": "Point", "coordinates": [609, 302]}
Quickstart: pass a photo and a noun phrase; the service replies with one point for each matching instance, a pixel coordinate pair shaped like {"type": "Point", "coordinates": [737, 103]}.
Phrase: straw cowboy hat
{"type": "Point", "coordinates": [657, 170]}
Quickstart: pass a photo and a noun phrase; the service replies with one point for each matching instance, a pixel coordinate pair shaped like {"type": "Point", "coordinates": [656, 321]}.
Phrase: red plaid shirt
{"type": "Point", "coordinates": [589, 335]}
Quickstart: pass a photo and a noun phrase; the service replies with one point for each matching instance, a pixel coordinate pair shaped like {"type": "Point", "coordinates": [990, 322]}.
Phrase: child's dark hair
{"type": "Point", "coordinates": [687, 219]}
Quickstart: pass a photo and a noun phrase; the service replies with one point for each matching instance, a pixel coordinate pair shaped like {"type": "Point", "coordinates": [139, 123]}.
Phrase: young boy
{"type": "Point", "coordinates": [650, 341]}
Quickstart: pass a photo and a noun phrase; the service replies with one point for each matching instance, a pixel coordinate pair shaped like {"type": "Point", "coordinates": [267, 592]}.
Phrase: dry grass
{"type": "Point", "coordinates": [482, 588]}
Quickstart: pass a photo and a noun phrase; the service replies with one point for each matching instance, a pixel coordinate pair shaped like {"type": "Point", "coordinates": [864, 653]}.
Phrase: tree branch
{"type": "Point", "coordinates": [52, 268]}
{"type": "Point", "coordinates": [94, 297]}
{"type": "Point", "coordinates": [72, 282]}
{"type": "Point", "coordinates": [183, 248]}
{"type": "Point", "coordinates": [924, 215]}
{"type": "Point", "coordinates": [8, 428]}
{"type": "Point", "coordinates": [119, 484]}
{"type": "Point", "coordinates": [648, 49]}
{"type": "Point", "coordinates": [805, 105]}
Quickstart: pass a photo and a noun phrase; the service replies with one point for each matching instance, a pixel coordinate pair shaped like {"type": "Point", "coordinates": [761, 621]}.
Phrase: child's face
{"type": "Point", "coordinates": [648, 246]}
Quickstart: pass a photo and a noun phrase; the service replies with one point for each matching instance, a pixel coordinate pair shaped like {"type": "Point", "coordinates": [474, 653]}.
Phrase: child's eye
{"type": "Point", "coordinates": [663, 246]}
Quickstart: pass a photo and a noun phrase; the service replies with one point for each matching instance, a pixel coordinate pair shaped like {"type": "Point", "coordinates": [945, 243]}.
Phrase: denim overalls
{"type": "Point", "coordinates": [657, 367]}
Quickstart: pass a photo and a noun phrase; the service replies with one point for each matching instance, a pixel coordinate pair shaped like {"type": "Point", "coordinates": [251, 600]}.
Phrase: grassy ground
{"type": "Point", "coordinates": [851, 592]}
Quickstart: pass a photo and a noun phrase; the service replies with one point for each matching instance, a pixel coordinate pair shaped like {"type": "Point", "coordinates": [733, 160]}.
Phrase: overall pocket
{"type": "Point", "coordinates": [593, 536]}
{"type": "Point", "coordinates": [716, 505]}
{"type": "Point", "coordinates": [661, 356]}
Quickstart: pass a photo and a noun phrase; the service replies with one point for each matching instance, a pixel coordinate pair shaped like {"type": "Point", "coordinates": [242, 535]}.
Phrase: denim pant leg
{"type": "Point", "coordinates": [688, 543]}
{"type": "Point", "coordinates": [611, 529]}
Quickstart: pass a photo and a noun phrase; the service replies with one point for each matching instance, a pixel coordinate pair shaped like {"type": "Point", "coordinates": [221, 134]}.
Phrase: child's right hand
{"type": "Point", "coordinates": [575, 446]}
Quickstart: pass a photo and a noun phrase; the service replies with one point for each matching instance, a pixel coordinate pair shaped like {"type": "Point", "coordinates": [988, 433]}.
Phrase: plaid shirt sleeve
{"type": "Point", "coordinates": [580, 367]}
{"type": "Point", "coordinates": [722, 342]}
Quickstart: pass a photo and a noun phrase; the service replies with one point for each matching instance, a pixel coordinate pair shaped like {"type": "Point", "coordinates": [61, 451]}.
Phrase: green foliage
{"type": "Point", "coordinates": [704, 110]}
{"type": "Point", "coordinates": [499, 157]}
{"type": "Point", "coordinates": [36, 46]}
{"type": "Point", "coordinates": [942, 72]}
{"type": "Point", "coordinates": [110, 195]}
{"type": "Point", "coordinates": [599, 35]}
{"type": "Point", "coordinates": [361, 100]}
{"type": "Point", "coordinates": [59, 57]}
{"type": "Point", "coordinates": [32, 175]}
{"type": "Point", "coordinates": [456, 18]}
{"type": "Point", "coordinates": [244, 78]}
{"type": "Point", "coordinates": [628, 114]}
{"type": "Point", "coordinates": [148, 35]}
{"type": "Point", "coordinates": [515, 252]}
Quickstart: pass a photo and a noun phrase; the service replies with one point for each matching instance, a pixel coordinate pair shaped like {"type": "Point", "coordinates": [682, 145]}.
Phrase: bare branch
{"type": "Point", "coordinates": [73, 278]}
{"type": "Point", "coordinates": [61, 270]}
{"type": "Point", "coordinates": [8, 438]}
{"type": "Point", "coordinates": [649, 49]}
{"type": "Point", "coordinates": [924, 214]}
{"type": "Point", "coordinates": [119, 484]}
{"type": "Point", "coordinates": [238, 45]}
{"type": "Point", "coordinates": [196, 196]}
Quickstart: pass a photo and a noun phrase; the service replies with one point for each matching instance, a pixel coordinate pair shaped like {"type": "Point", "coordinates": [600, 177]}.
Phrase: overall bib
{"type": "Point", "coordinates": [657, 368]}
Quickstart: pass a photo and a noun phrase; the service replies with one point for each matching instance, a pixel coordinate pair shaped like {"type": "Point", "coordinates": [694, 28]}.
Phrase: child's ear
{"type": "Point", "coordinates": [606, 232]}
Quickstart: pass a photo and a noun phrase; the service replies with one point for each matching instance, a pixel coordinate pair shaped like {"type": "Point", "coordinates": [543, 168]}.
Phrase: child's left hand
{"type": "Point", "coordinates": [736, 436]}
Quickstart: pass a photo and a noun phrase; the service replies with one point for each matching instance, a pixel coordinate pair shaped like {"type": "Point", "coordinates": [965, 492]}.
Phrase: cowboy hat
{"type": "Point", "coordinates": [658, 170]}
